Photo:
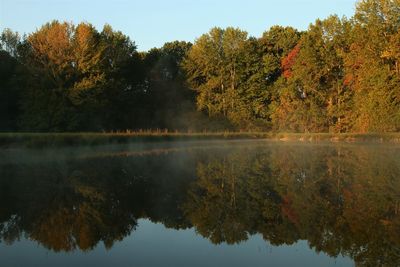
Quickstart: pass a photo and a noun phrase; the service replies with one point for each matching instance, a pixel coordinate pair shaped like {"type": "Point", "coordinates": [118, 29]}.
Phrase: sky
{"type": "Point", "coordinates": [151, 23]}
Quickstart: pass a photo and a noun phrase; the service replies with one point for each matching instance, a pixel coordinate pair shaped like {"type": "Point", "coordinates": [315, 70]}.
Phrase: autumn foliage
{"type": "Point", "coordinates": [341, 75]}
{"type": "Point", "coordinates": [288, 62]}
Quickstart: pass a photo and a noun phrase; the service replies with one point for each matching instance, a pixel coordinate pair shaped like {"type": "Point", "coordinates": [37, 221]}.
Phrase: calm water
{"type": "Point", "coordinates": [201, 204]}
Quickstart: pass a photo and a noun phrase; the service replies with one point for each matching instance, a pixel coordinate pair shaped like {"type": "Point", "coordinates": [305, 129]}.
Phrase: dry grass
{"type": "Point", "coordinates": [39, 140]}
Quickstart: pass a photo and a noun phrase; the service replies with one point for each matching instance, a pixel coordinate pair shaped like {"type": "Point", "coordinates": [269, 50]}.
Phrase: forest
{"type": "Point", "coordinates": [341, 75]}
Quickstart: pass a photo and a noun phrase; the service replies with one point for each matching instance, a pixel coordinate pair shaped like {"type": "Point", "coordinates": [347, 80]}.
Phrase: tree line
{"type": "Point", "coordinates": [341, 75]}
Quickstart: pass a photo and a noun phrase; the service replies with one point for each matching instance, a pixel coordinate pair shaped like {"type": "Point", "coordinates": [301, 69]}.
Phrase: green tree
{"type": "Point", "coordinates": [168, 100]}
{"type": "Point", "coordinates": [215, 68]}
{"type": "Point", "coordinates": [313, 96]}
{"type": "Point", "coordinates": [277, 43]}
{"type": "Point", "coordinates": [11, 79]}
{"type": "Point", "coordinates": [372, 65]}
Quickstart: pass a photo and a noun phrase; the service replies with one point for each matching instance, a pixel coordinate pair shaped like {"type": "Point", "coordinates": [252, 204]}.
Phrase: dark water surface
{"type": "Point", "coordinates": [201, 204]}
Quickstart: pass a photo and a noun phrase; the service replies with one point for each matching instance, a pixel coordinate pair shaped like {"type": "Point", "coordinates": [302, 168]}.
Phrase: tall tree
{"type": "Point", "coordinates": [79, 78]}
{"type": "Point", "coordinates": [167, 97]}
{"type": "Point", "coordinates": [372, 65]}
{"type": "Point", "coordinates": [215, 67]}
{"type": "Point", "coordinates": [12, 75]}
{"type": "Point", "coordinates": [312, 93]}
{"type": "Point", "coordinates": [278, 44]}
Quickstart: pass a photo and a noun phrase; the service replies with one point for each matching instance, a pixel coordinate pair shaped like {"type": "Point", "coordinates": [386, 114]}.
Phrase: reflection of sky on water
{"type": "Point", "coordinates": [154, 245]}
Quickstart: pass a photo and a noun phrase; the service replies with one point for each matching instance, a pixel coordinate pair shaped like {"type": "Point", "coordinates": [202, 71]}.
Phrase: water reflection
{"type": "Point", "coordinates": [344, 200]}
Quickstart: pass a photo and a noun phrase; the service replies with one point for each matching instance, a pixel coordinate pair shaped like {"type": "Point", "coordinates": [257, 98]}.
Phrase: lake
{"type": "Point", "coordinates": [221, 203]}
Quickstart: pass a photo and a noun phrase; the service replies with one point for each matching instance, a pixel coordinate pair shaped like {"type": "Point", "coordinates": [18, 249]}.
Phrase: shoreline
{"type": "Point", "coordinates": [38, 140]}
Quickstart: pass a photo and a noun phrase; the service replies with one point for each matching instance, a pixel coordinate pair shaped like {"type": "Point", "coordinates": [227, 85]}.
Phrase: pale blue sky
{"type": "Point", "coordinates": [151, 23]}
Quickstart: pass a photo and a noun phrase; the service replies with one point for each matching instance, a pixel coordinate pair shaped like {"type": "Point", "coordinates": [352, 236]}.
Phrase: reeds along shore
{"type": "Point", "coordinates": [43, 140]}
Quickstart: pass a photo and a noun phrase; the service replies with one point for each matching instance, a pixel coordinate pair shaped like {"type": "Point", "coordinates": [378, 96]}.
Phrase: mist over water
{"type": "Point", "coordinates": [220, 203]}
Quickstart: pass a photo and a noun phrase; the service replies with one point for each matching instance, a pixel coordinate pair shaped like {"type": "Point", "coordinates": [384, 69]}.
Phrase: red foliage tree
{"type": "Point", "coordinates": [288, 61]}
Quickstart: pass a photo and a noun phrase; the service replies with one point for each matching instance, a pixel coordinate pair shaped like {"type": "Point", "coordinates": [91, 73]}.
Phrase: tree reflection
{"type": "Point", "coordinates": [344, 200]}
{"type": "Point", "coordinates": [77, 204]}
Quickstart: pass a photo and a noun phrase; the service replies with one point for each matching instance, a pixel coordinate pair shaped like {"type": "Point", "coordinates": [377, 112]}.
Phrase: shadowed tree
{"type": "Point", "coordinates": [79, 78]}
{"type": "Point", "coordinates": [11, 79]}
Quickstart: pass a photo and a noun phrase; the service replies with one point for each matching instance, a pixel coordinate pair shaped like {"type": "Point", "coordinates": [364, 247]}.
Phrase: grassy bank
{"type": "Point", "coordinates": [37, 140]}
